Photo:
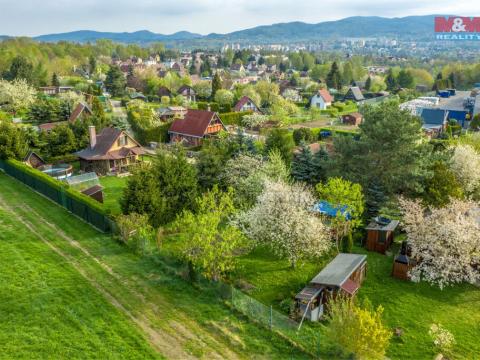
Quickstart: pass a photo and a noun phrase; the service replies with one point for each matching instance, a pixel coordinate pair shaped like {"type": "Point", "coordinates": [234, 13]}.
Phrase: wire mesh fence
{"type": "Point", "coordinates": [306, 338]}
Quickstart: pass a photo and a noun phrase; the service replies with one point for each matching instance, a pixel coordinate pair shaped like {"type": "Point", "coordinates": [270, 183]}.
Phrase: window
{"type": "Point", "coordinates": [122, 140]}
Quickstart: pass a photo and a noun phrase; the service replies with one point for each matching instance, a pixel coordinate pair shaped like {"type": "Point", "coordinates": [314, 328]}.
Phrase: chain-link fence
{"type": "Point", "coordinates": [305, 338]}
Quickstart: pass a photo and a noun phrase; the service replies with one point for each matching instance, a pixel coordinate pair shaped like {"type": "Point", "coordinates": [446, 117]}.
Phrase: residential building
{"type": "Point", "coordinates": [321, 100]}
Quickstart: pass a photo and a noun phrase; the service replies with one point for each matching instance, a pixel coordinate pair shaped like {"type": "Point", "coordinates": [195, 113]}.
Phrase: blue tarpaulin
{"type": "Point", "coordinates": [324, 207]}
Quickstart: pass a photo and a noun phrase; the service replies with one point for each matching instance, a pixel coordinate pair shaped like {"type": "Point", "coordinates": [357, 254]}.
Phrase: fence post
{"type": "Point", "coordinates": [271, 317]}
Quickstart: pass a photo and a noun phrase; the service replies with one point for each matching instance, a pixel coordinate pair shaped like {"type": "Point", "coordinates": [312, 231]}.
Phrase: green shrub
{"type": "Point", "coordinates": [233, 118]}
{"type": "Point", "coordinates": [57, 185]}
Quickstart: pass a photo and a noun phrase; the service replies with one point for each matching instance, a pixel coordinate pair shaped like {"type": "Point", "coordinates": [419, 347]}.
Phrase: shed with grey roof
{"type": "Point", "coordinates": [343, 275]}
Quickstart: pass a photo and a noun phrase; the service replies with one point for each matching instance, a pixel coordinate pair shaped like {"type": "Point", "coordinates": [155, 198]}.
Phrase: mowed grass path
{"type": "Point", "coordinates": [68, 289]}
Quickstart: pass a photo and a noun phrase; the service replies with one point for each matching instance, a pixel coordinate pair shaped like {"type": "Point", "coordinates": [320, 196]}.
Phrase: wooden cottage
{"type": "Point", "coordinates": [112, 150]}
{"type": "Point", "coordinates": [195, 126]}
{"type": "Point", "coordinates": [246, 104]}
{"type": "Point", "coordinates": [343, 275]}
{"type": "Point", "coordinates": [380, 234]}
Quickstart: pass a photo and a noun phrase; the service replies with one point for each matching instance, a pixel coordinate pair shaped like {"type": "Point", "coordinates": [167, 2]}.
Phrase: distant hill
{"type": "Point", "coordinates": [143, 36]}
{"type": "Point", "coordinates": [411, 27]}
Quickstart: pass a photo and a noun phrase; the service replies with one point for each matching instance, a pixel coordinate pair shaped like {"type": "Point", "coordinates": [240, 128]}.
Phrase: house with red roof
{"type": "Point", "coordinates": [321, 99]}
{"type": "Point", "coordinates": [112, 150]}
{"type": "Point", "coordinates": [195, 126]}
{"type": "Point", "coordinates": [246, 104]}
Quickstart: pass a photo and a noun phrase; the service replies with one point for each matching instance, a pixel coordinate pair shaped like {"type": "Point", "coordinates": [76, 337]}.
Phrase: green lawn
{"type": "Point", "coordinates": [410, 306]}
{"type": "Point", "coordinates": [112, 192]}
{"type": "Point", "coordinates": [69, 291]}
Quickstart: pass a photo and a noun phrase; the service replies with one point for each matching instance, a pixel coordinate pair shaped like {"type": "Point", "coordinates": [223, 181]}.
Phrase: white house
{"type": "Point", "coordinates": [321, 99]}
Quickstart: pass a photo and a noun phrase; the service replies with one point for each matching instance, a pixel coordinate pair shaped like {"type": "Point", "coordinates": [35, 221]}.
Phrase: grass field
{"type": "Point", "coordinates": [69, 291]}
{"type": "Point", "coordinates": [112, 192]}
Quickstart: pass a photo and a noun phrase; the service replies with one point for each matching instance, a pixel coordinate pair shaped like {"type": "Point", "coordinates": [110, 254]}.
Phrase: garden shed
{"type": "Point", "coordinates": [403, 263]}
{"type": "Point", "coordinates": [380, 234]}
{"type": "Point", "coordinates": [343, 275]}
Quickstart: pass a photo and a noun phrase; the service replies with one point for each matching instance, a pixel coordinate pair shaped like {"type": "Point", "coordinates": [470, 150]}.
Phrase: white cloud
{"type": "Point", "coordinates": [33, 17]}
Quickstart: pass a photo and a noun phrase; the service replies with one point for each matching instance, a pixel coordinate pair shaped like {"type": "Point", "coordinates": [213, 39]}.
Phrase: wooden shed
{"type": "Point", "coordinates": [403, 263]}
{"type": "Point", "coordinates": [343, 275]}
{"type": "Point", "coordinates": [95, 192]}
{"type": "Point", "coordinates": [380, 234]}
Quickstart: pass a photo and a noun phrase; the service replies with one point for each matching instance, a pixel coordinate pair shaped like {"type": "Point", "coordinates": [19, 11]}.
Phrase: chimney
{"type": "Point", "coordinates": [208, 107]}
{"type": "Point", "coordinates": [93, 136]}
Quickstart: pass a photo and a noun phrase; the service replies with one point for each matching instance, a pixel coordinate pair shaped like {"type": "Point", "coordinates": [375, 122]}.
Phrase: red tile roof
{"type": "Point", "coordinates": [195, 123]}
{"type": "Point", "coordinates": [325, 95]}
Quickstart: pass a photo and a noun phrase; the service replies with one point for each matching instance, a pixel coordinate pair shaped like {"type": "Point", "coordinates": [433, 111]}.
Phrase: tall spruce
{"type": "Point", "coordinates": [302, 164]}
{"type": "Point", "coordinates": [216, 84]}
{"type": "Point", "coordinates": [334, 78]}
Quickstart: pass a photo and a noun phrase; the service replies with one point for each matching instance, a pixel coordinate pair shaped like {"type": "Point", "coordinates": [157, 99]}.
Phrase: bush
{"type": "Point", "coordinates": [303, 134]}
{"type": "Point", "coordinates": [63, 159]}
{"type": "Point", "coordinates": [233, 118]}
{"type": "Point", "coordinates": [57, 185]}
{"type": "Point", "coordinates": [202, 105]}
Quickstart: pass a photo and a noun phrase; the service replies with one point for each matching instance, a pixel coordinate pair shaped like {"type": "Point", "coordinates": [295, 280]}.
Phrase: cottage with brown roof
{"type": "Point", "coordinates": [195, 126]}
{"type": "Point", "coordinates": [321, 99]}
{"type": "Point", "coordinates": [246, 104]}
{"type": "Point", "coordinates": [112, 150]}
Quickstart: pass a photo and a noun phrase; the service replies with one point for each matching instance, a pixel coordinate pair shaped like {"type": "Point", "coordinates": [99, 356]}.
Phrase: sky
{"type": "Point", "coordinates": [37, 17]}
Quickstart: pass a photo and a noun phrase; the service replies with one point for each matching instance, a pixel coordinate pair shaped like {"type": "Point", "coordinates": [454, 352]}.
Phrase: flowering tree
{"type": "Point", "coordinates": [17, 95]}
{"type": "Point", "coordinates": [254, 120]}
{"type": "Point", "coordinates": [465, 163]}
{"type": "Point", "coordinates": [283, 221]}
{"type": "Point", "coordinates": [72, 99]}
{"type": "Point", "coordinates": [246, 175]}
{"type": "Point", "coordinates": [446, 241]}
{"type": "Point", "coordinates": [442, 338]}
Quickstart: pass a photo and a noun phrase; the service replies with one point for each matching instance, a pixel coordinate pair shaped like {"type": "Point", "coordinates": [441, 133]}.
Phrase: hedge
{"type": "Point", "coordinates": [57, 185]}
{"type": "Point", "coordinates": [233, 118]}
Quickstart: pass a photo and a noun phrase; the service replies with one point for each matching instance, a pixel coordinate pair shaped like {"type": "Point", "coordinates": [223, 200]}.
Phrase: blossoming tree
{"type": "Point", "coordinates": [446, 241]}
{"type": "Point", "coordinates": [282, 220]}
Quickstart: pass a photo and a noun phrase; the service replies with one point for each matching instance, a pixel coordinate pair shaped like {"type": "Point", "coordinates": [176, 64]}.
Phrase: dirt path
{"type": "Point", "coordinates": [170, 344]}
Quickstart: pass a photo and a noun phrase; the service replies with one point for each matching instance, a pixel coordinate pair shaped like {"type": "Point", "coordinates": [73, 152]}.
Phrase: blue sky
{"type": "Point", "coordinates": [35, 17]}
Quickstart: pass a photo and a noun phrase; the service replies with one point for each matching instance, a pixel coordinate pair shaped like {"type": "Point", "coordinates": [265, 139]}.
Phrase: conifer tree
{"type": "Point", "coordinates": [55, 81]}
{"type": "Point", "coordinates": [302, 164]}
{"type": "Point", "coordinates": [216, 84]}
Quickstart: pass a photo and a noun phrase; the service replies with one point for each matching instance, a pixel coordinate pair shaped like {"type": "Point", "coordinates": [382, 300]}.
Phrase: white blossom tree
{"type": "Point", "coordinates": [283, 221]}
{"type": "Point", "coordinates": [465, 163]}
{"type": "Point", "coordinates": [16, 95]}
{"type": "Point", "coordinates": [254, 120]}
{"type": "Point", "coordinates": [446, 241]}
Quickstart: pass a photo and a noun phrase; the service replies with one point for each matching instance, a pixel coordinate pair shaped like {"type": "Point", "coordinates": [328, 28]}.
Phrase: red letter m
{"type": "Point", "coordinates": [443, 24]}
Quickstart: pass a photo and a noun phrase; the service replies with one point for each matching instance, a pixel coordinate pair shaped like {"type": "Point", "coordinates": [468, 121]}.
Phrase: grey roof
{"type": "Point", "coordinates": [389, 227]}
{"type": "Point", "coordinates": [357, 93]}
{"type": "Point", "coordinates": [339, 269]}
